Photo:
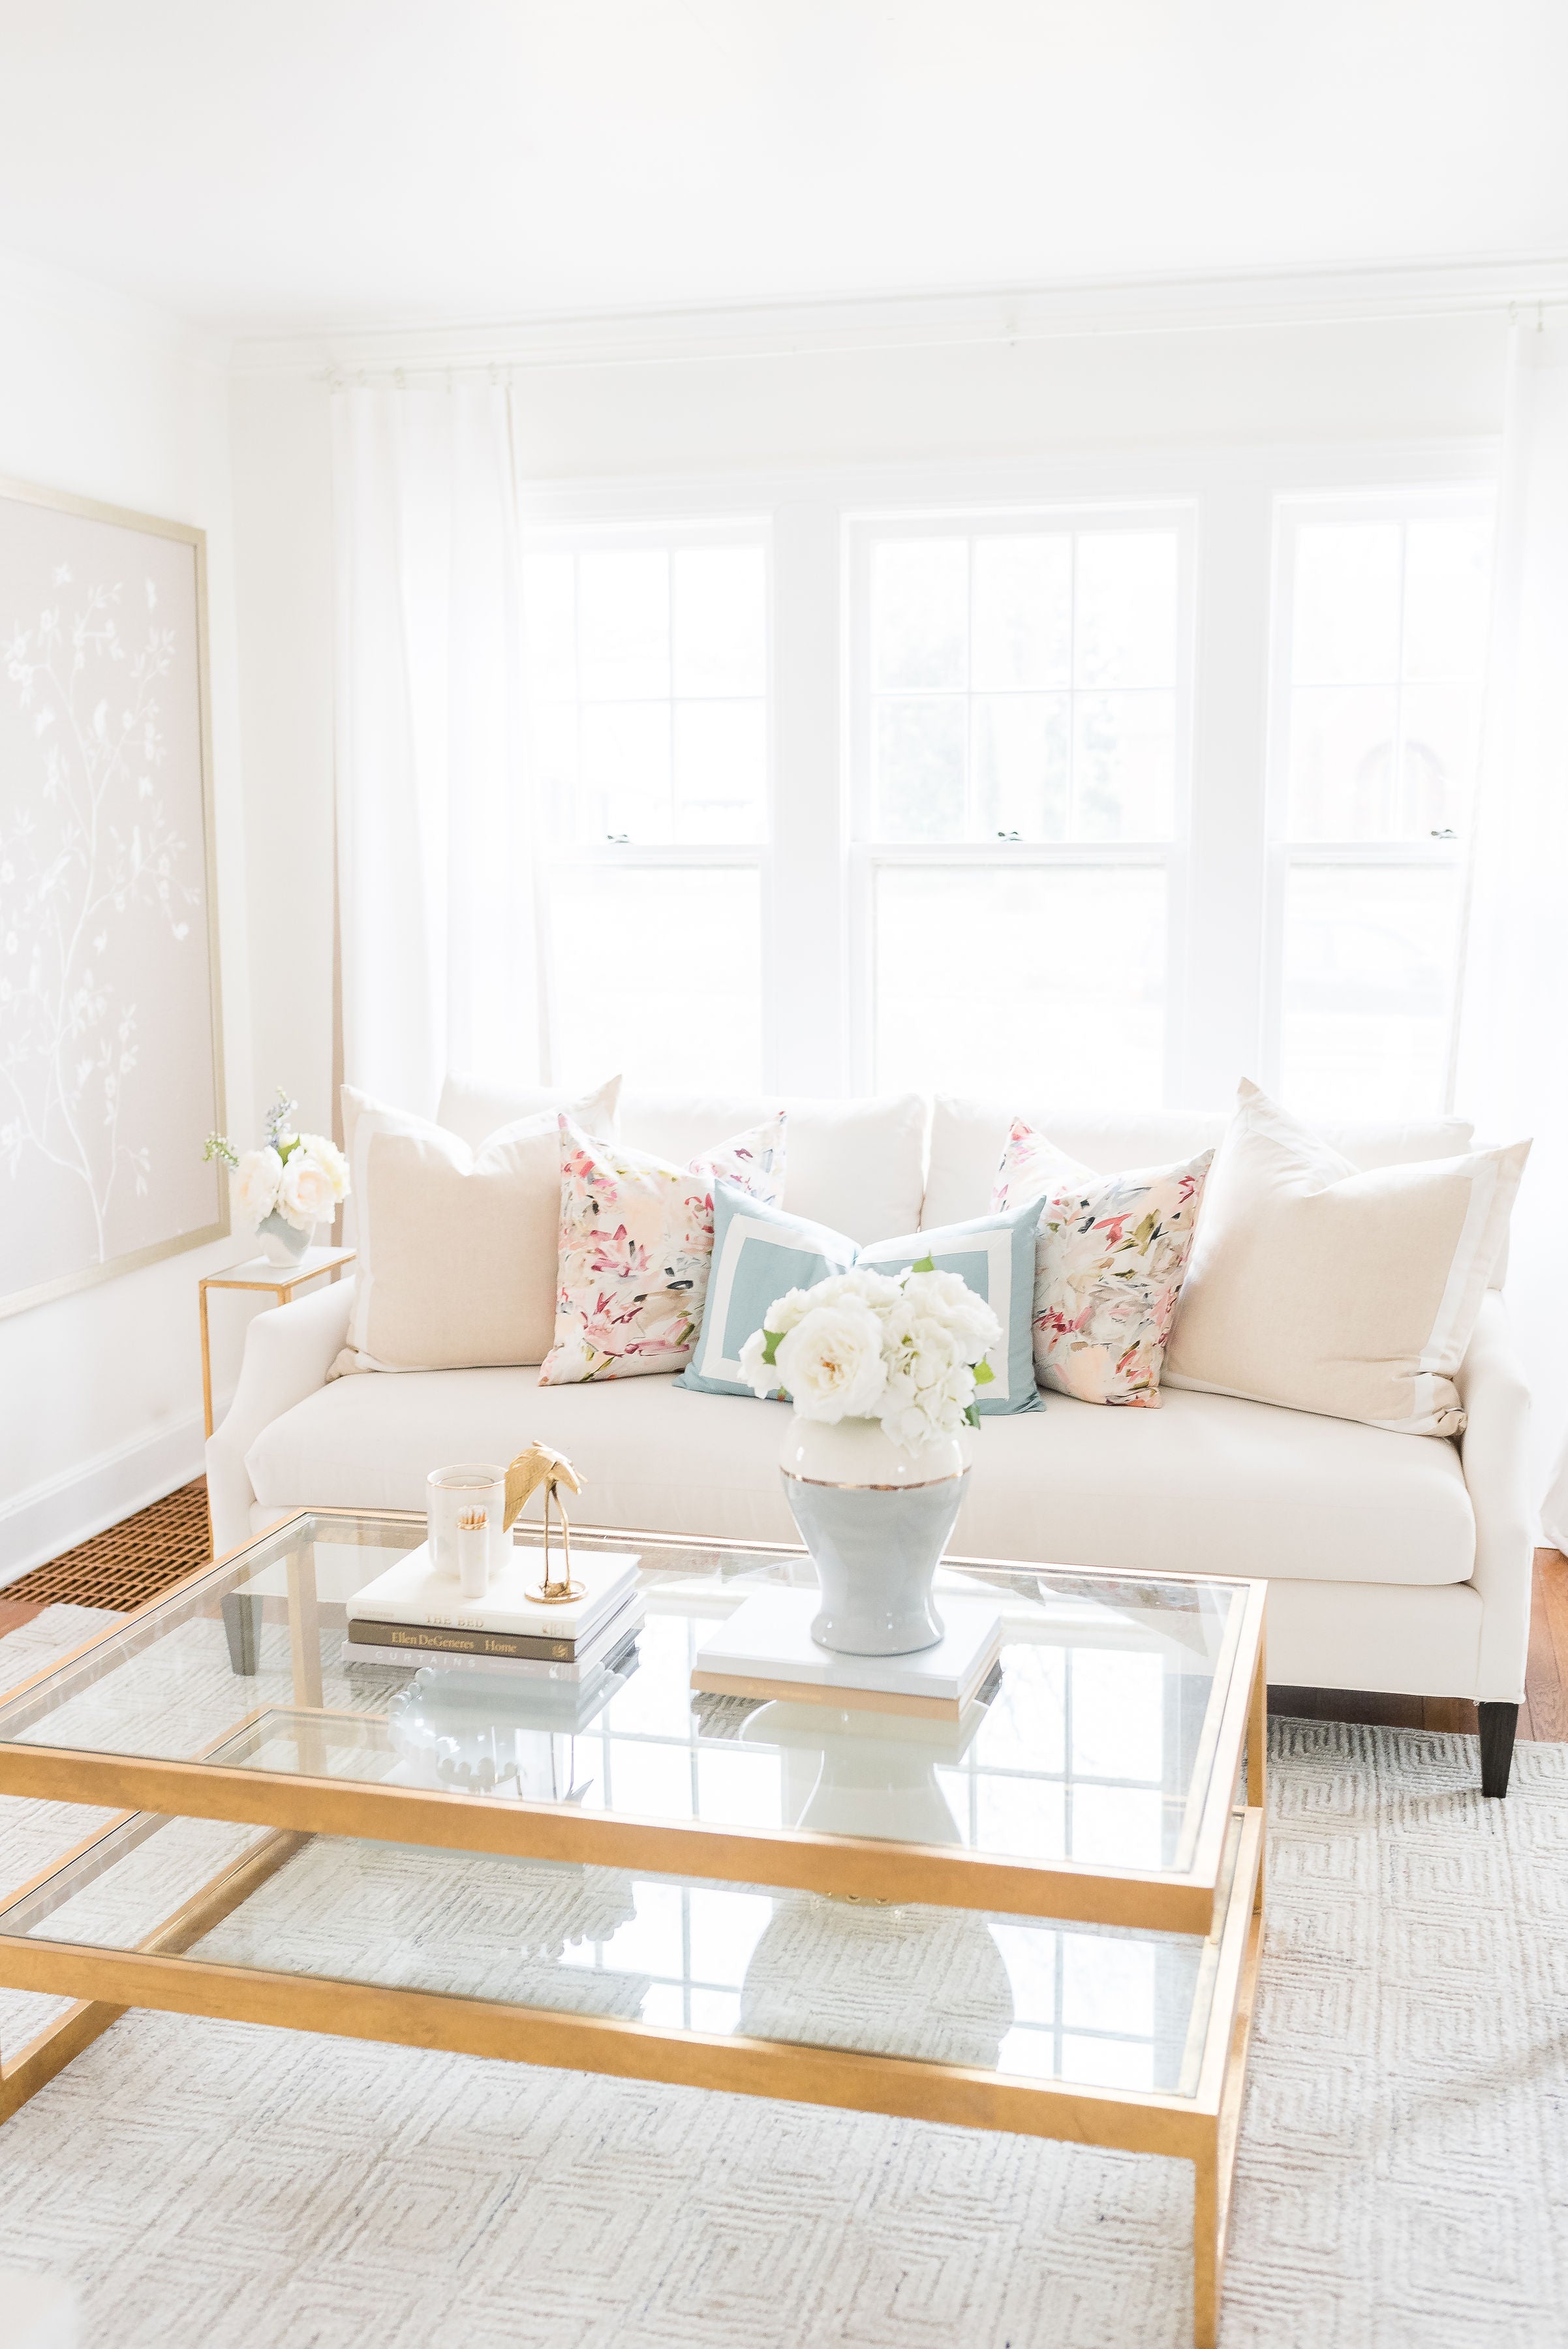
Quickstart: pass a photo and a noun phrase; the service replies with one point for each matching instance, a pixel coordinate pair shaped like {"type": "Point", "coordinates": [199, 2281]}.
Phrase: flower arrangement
{"type": "Point", "coordinates": [299, 1177]}
{"type": "Point", "coordinates": [907, 1349]}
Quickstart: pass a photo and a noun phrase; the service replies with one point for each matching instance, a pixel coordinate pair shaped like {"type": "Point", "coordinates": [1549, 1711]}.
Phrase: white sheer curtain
{"type": "Point", "coordinates": [1513, 1075]}
{"type": "Point", "coordinates": [435, 875]}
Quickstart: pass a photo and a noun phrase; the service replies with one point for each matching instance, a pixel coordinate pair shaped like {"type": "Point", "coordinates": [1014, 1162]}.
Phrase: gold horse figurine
{"type": "Point", "coordinates": [535, 1466]}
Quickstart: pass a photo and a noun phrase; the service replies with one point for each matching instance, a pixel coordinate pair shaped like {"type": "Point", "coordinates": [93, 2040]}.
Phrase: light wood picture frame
{"type": "Point", "coordinates": [111, 1068]}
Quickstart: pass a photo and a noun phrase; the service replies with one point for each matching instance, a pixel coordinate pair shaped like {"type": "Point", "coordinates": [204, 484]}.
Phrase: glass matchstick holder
{"type": "Point", "coordinates": [466, 1509]}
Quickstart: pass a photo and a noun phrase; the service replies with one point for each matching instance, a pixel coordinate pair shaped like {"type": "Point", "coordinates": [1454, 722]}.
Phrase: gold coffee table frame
{"type": "Point", "coordinates": [1219, 1896]}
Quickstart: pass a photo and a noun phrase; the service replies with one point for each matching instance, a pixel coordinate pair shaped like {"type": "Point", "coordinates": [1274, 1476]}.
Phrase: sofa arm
{"type": "Point", "coordinates": [1494, 1450]}
{"type": "Point", "coordinates": [288, 1352]}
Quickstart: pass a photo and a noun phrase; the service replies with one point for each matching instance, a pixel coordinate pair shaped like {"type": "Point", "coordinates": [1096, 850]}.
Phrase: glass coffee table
{"type": "Point", "coordinates": [1042, 1918]}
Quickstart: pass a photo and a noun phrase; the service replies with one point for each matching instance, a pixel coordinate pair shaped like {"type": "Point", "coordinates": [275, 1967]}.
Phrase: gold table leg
{"type": "Point", "coordinates": [45, 2056]}
{"type": "Point", "coordinates": [1214, 2167]}
{"type": "Point", "coordinates": [1258, 1762]}
{"type": "Point", "coordinates": [303, 1626]}
{"type": "Point", "coordinates": [53, 2048]}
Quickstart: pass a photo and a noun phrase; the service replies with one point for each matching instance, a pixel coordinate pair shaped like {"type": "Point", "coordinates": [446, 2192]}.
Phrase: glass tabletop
{"type": "Point", "coordinates": [1108, 1742]}
{"type": "Point", "coordinates": [1036, 1999]}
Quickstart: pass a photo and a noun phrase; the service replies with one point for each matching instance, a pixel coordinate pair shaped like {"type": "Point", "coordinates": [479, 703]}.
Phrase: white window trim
{"type": "Point", "coordinates": [557, 849]}
{"type": "Point", "coordinates": [868, 855]}
{"type": "Point", "coordinates": [1218, 1026]}
{"type": "Point", "coordinates": [1409, 501]}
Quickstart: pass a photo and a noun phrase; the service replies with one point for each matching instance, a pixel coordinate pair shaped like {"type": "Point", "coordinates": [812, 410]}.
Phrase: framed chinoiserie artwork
{"type": "Point", "coordinates": [110, 1042]}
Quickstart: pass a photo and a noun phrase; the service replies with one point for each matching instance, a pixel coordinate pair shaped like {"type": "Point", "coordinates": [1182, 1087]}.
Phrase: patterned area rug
{"type": "Point", "coordinates": [1403, 2178]}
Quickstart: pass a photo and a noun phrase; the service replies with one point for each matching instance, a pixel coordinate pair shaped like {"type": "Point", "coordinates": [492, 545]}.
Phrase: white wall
{"type": "Point", "coordinates": [101, 1399]}
{"type": "Point", "coordinates": [283, 533]}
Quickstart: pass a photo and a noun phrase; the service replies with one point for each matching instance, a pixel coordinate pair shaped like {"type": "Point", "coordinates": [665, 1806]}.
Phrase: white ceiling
{"type": "Point", "coordinates": [354, 163]}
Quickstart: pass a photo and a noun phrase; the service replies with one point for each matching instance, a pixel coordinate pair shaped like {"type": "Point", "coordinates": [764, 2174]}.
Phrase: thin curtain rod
{"type": "Point", "coordinates": [445, 374]}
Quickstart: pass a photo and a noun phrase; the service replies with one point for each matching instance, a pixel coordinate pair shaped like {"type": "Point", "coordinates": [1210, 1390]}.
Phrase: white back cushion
{"type": "Point", "coordinates": [474, 1108]}
{"type": "Point", "coordinates": [1333, 1288]}
{"type": "Point", "coordinates": [967, 1138]}
{"type": "Point", "coordinates": [457, 1247]}
{"type": "Point", "coordinates": [857, 1165]}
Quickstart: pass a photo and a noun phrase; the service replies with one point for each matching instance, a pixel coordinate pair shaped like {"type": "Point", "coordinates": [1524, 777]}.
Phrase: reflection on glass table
{"type": "Point", "coordinates": [1026, 1997]}
{"type": "Point", "coordinates": [1097, 1746]}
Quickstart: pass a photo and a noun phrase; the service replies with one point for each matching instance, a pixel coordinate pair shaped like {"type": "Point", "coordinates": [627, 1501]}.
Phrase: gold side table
{"type": "Point", "coordinates": [278, 1280]}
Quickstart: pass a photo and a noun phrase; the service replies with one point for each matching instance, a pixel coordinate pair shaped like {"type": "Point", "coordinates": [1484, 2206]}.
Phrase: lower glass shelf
{"type": "Point", "coordinates": [1027, 1999]}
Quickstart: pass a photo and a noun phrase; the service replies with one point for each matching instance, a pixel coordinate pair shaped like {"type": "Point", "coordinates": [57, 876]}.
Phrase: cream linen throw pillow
{"type": "Point", "coordinates": [1326, 1289]}
{"type": "Point", "coordinates": [456, 1265]}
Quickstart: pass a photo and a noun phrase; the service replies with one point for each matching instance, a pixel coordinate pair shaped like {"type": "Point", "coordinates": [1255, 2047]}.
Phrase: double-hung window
{"type": "Point", "coordinates": [646, 679]}
{"type": "Point", "coordinates": [960, 851]}
{"type": "Point", "coordinates": [1019, 722]}
{"type": "Point", "coordinates": [1380, 607]}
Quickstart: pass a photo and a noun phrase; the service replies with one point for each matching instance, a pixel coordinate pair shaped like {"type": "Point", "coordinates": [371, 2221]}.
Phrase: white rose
{"type": "Point", "coordinates": [831, 1363]}
{"type": "Point", "coordinates": [786, 1310]}
{"type": "Point", "coordinates": [760, 1376]}
{"type": "Point", "coordinates": [304, 1194]}
{"type": "Point", "coordinates": [256, 1178]}
{"type": "Point", "coordinates": [331, 1160]}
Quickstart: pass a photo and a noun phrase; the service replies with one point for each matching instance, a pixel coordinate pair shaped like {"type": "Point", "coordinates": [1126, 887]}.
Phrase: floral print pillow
{"type": "Point", "coordinates": [636, 1243]}
{"type": "Point", "coordinates": [1110, 1257]}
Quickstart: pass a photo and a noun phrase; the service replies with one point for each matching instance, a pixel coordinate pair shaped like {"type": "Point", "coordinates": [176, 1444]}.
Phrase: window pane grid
{"type": "Point", "coordinates": [647, 690]}
{"type": "Point", "coordinates": [646, 665]}
{"type": "Point", "coordinates": [996, 712]}
{"type": "Point", "coordinates": [1388, 642]}
{"type": "Point", "coordinates": [1381, 706]}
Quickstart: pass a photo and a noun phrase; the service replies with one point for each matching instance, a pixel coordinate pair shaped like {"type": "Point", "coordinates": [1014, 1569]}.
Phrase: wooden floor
{"type": "Point", "coordinates": [1543, 1713]}
{"type": "Point", "coordinates": [127, 1563]}
{"type": "Point", "coordinates": [131, 1562]}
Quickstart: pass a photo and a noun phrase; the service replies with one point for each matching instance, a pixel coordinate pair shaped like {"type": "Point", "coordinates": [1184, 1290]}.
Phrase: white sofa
{"type": "Point", "coordinates": [1396, 1562]}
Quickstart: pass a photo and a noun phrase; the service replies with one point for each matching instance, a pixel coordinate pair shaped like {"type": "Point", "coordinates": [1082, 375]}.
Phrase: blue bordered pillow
{"type": "Point", "coordinates": [761, 1251]}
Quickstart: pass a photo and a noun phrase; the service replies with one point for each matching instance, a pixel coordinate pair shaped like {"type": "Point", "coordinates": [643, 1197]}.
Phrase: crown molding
{"type": "Point", "coordinates": [65, 293]}
{"type": "Point", "coordinates": [1123, 306]}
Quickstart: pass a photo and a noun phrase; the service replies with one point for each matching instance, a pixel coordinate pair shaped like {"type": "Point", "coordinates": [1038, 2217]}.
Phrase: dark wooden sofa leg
{"type": "Point", "coordinates": [1497, 1723]}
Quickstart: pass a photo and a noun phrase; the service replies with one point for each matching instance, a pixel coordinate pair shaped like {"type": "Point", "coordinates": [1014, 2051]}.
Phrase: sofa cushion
{"type": "Point", "coordinates": [636, 1247]}
{"type": "Point", "coordinates": [1319, 1285]}
{"type": "Point", "coordinates": [1207, 1485]}
{"type": "Point", "coordinates": [457, 1247]}
{"type": "Point", "coordinates": [855, 1164]}
{"type": "Point", "coordinates": [967, 1138]}
{"type": "Point", "coordinates": [762, 1253]}
{"type": "Point", "coordinates": [474, 1106]}
{"type": "Point", "coordinates": [1110, 1255]}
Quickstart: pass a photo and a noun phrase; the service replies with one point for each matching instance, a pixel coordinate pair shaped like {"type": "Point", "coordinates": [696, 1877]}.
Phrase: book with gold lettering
{"type": "Point", "coordinates": [411, 1596]}
{"type": "Point", "coordinates": [411, 1645]}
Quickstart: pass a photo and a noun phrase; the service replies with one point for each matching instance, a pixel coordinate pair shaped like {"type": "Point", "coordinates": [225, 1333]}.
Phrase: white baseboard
{"type": "Point", "coordinates": [47, 1518]}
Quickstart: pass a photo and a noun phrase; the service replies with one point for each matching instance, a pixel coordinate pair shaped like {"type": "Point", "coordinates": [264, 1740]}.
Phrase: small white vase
{"type": "Point", "coordinates": [876, 1520]}
{"type": "Point", "coordinates": [283, 1242]}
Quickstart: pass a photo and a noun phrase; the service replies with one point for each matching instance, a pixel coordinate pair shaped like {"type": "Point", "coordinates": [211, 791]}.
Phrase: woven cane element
{"type": "Point", "coordinates": [128, 1562]}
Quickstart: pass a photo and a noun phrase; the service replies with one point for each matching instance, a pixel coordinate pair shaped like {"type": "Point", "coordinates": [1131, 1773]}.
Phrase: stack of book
{"type": "Point", "coordinates": [412, 1616]}
{"type": "Point", "coordinates": [765, 1650]}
